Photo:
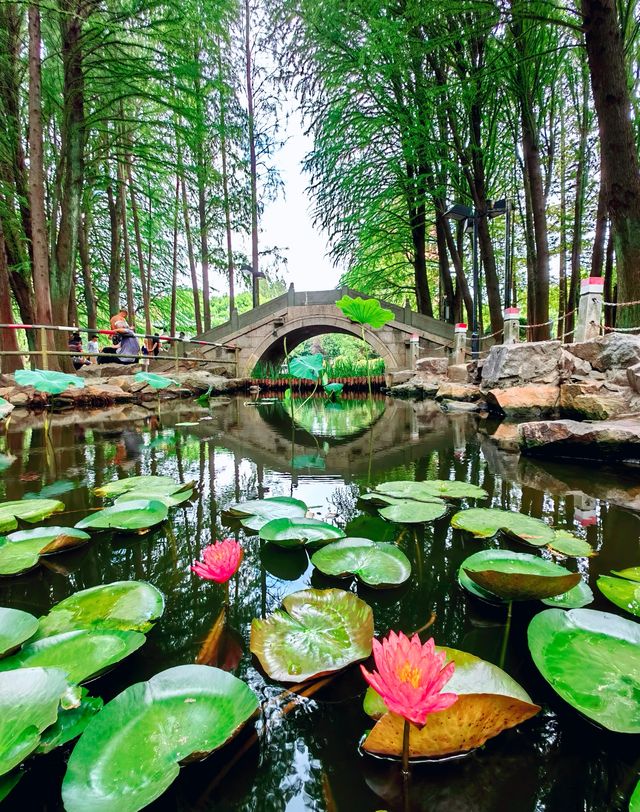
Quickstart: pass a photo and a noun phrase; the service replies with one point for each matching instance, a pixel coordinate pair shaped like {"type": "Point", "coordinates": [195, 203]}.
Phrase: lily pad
{"type": "Point", "coordinates": [53, 383]}
{"type": "Point", "coordinates": [515, 576]}
{"type": "Point", "coordinates": [80, 654]}
{"type": "Point", "coordinates": [15, 627]}
{"type": "Point", "coordinates": [299, 532]}
{"type": "Point", "coordinates": [426, 491]}
{"type": "Point", "coordinates": [21, 551]}
{"type": "Point", "coordinates": [486, 522]}
{"type": "Point", "coordinates": [409, 512]}
{"type": "Point", "coordinates": [55, 489]}
{"type": "Point", "coordinates": [370, 527]}
{"type": "Point", "coordinates": [567, 544]}
{"type": "Point", "coordinates": [365, 311]}
{"type": "Point", "coordinates": [120, 606]}
{"type": "Point", "coordinates": [138, 515]}
{"type": "Point", "coordinates": [130, 753]}
{"type": "Point", "coordinates": [255, 513]}
{"type": "Point", "coordinates": [70, 723]}
{"type": "Point", "coordinates": [168, 499]}
{"type": "Point", "coordinates": [307, 367]}
{"type": "Point", "coordinates": [28, 510]}
{"type": "Point", "coordinates": [28, 706]}
{"type": "Point", "coordinates": [333, 388]}
{"type": "Point", "coordinates": [634, 802]}
{"type": "Point", "coordinates": [374, 563]}
{"type": "Point", "coordinates": [318, 631]}
{"type": "Point", "coordinates": [632, 573]}
{"type": "Point", "coordinates": [577, 597]}
{"type": "Point", "coordinates": [153, 380]}
{"type": "Point", "coordinates": [592, 660]}
{"type": "Point", "coordinates": [157, 484]}
{"type": "Point", "coordinates": [8, 782]}
{"type": "Point", "coordinates": [624, 592]}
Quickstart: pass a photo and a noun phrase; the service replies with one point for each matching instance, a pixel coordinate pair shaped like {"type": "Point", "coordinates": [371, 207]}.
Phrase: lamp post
{"type": "Point", "coordinates": [256, 276]}
{"type": "Point", "coordinates": [471, 218]}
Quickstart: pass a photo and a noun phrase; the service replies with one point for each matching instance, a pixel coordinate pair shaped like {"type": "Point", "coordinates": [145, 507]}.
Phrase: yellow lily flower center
{"type": "Point", "coordinates": [409, 673]}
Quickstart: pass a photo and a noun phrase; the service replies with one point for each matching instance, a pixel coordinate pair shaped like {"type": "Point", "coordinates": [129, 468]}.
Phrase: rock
{"type": "Point", "coordinates": [618, 377]}
{"type": "Point", "coordinates": [572, 366]}
{"type": "Point", "coordinates": [418, 387]}
{"type": "Point", "coordinates": [433, 366]}
{"type": "Point", "coordinates": [459, 373]}
{"type": "Point", "coordinates": [510, 365]}
{"type": "Point", "coordinates": [458, 391]}
{"type": "Point", "coordinates": [602, 440]}
{"type": "Point", "coordinates": [613, 351]}
{"type": "Point", "coordinates": [106, 391]}
{"type": "Point", "coordinates": [396, 377]}
{"type": "Point", "coordinates": [200, 381]}
{"type": "Point", "coordinates": [5, 408]}
{"type": "Point", "coordinates": [633, 377]}
{"type": "Point", "coordinates": [92, 371]}
{"type": "Point", "coordinates": [506, 437]}
{"type": "Point", "coordinates": [591, 401]}
{"type": "Point", "coordinates": [20, 398]}
{"type": "Point", "coordinates": [521, 401]}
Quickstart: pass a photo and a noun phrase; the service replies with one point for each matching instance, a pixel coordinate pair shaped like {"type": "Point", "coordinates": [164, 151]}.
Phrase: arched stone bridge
{"type": "Point", "coordinates": [259, 334]}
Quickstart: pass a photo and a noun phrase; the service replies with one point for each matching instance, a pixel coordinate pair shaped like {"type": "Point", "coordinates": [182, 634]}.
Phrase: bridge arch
{"type": "Point", "coordinates": [271, 348]}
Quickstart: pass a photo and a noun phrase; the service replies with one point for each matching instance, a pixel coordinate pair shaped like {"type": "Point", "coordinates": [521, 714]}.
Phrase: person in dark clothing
{"type": "Point", "coordinates": [75, 345]}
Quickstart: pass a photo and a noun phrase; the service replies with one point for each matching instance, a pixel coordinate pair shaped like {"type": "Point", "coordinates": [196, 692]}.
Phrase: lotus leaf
{"type": "Point", "coordinates": [567, 544]}
{"type": "Point", "coordinates": [8, 782]}
{"type": "Point", "coordinates": [130, 753]}
{"type": "Point", "coordinates": [168, 499]}
{"type": "Point", "coordinates": [632, 573]}
{"type": "Point", "coordinates": [80, 654]}
{"type": "Point", "coordinates": [28, 706]}
{"type": "Point", "coordinates": [365, 311]}
{"type": "Point", "coordinates": [153, 380]}
{"type": "Point", "coordinates": [285, 564]}
{"type": "Point", "coordinates": [299, 532]}
{"type": "Point", "coordinates": [515, 576]}
{"type": "Point", "coordinates": [157, 484]}
{"type": "Point", "coordinates": [577, 597]}
{"type": "Point", "coordinates": [382, 499]}
{"type": "Point", "coordinates": [70, 723]}
{"type": "Point", "coordinates": [621, 591]}
{"type": "Point", "coordinates": [486, 522]}
{"type": "Point", "coordinates": [121, 606]}
{"type": "Point", "coordinates": [307, 367]}
{"type": "Point", "coordinates": [29, 510]}
{"type": "Point", "coordinates": [592, 660]}
{"type": "Point", "coordinates": [333, 388]}
{"type": "Point", "coordinates": [464, 726]}
{"type": "Point", "coordinates": [55, 489]}
{"type": "Point", "coordinates": [409, 512]}
{"type": "Point", "coordinates": [425, 491]}
{"type": "Point", "coordinates": [15, 627]}
{"type": "Point", "coordinates": [21, 551]}
{"type": "Point", "coordinates": [257, 512]}
{"type": "Point", "coordinates": [634, 802]}
{"type": "Point", "coordinates": [319, 631]}
{"type": "Point", "coordinates": [370, 527]}
{"type": "Point", "coordinates": [138, 515]}
{"type": "Point", "coordinates": [301, 461]}
{"type": "Point", "coordinates": [53, 383]}
{"type": "Point", "coordinates": [374, 563]}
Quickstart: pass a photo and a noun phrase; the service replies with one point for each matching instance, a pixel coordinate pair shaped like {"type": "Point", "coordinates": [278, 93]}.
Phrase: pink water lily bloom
{"type": "Point", "coordinates": [410, 676]}
{"type": "Point", "coordinates": [220, 561]}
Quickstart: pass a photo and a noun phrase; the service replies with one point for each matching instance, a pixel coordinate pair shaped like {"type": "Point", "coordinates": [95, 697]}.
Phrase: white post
{"type": "Point", "coordinates": [414, 343]}
{"type": "Point", "coordinates": [511, 325]}
{"type": "Point", "coordinates": [590, 309]}
{"type": "Point", "coordinates": [459, 344]}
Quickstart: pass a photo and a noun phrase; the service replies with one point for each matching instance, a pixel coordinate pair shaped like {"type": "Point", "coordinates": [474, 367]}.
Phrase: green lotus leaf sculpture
{"type": "Point", "coordinates": [27, 510]}
{"type": "Point", "coordinates": [365, 311]}
{"type": "Point", "coordinates": [299, 532]}
{"type": "Point", "coordinates": [317, 631]}
{"type": "Point", "coordinates": [410, 512]}
{"type": "Point", "coordinates": [131, 751]}
{"type": "Point", "coordinates": [21, 551]}
{"type": "Point", "coordinates": [16, 626]}
{"type": "Point", "coordinates": [153, 380]}
{"type": "Point", "coordinates": [507, 576]}
{"type": "Point", "coordinates": [374, 563]}
{"type": "Point", "coordinates": [623, 592]}
{"type": "Point", "coordinates": [307, 367]}
{"type": "Point", "coordinates": [70, 723]}
{"type": "Point", "coordinates": [255, 513]}
{"type": "Point", "coordinates": [592, 660]}
{"type": "Point", "coordinates": [120, 606]}
{"type": "Point", "coordinates": [140, 514]}
{"type": "Point", "coordinates": [427, 490]}
{"type": "Point", "coordinates": [52, 383]}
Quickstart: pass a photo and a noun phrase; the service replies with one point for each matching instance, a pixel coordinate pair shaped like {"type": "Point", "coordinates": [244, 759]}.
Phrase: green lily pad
{"type": "Point", "coordinates": [632, 573]}
{"type": "Point", "coordinates": [318, 631]}
{"type": "Point", "coordinates": [156, 484]}
{"type": "Point", "coordinates": [634, 802]}
{"type": "Point", "coordinates": [365, 311]}
{"type": "Point", "coordinates": [53, 383]}
{"type": "Point", "coordinates": [120, 606]}
{"type": "Point", "coordinates": [168, 499]}
{"type": "Point", "coordinates": [307, 367]}
{"type": "Point", "coordinates": [15, 627]}
{"type": "Point", "coordinates": [255, 513]}
{"type": "Point", "coordinates": [514, 576]}
{"type": "Point", "coordinates": [374, 563]}
{"type": "Point", "coordinates": [28, 706]}
{"type": "Point", "coordinates": [21, 551]}
{"type": "Point", "coordinates": [370, 527]}
{"type": "Point", "coordinates": [577, 597]}
{"type": "Point", "coordinates": [8, 782]}
{"type": "Point", "coordinates": [28, 510]}
{"type": "Point", "coordinates": [130, 753]}
{"type": "Point", "coordinates": [299, 532]}
{"type": "Point", "coordinates": [426, 491]}
{"type": "Point", "coordinates": [80, 654]}
{"type": "Point", "coordinates": [153, 380]}
{"type": "Point", "coordinates": [138, 515]}
{"type": "Point", "coordinates": [567, 544]}
{"type": "Point", "coordinates": [55, 489]}
{"type": "Point", "coordinates": [409, 512]}
{"type": "Point", "coordinates": [70, 723]}
{"type": "Point", "coordinates": [486, 522]}
{"type": "Point", "coordinates": [621, 591]}
{"type": "Point", "coordinates": [333, 388]}
{"type": "Point", "coordinates": [592, 660]}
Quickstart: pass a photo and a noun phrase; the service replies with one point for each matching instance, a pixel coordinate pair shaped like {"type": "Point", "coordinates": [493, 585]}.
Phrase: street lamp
{"type": "Point", "coordinates": [255, 284]}
{"type": "Point", "coordinates": [471, 217]}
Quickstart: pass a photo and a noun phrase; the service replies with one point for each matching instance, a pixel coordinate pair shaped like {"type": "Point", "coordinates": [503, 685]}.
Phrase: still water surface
{"type": "Point", "coordinates": [307, 757]}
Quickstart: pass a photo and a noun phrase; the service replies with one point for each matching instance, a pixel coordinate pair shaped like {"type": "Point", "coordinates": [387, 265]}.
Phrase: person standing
{"type": "Point", "coordinates": [93, 348]}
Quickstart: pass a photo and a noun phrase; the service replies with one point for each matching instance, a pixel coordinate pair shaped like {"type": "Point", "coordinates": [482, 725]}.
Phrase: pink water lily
{"type": "Point", "coordinates": [220, 561]}
{"type": "Point", "coordinates": [410, 677]}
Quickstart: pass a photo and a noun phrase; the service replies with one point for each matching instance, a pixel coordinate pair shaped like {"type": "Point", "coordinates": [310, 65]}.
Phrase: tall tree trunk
{"type": "Point", "coordinates": [8, 338]}
{"type": "Point", "coordinates": [610, 293]}
{"type": "Point", "coordinates": [225, 191]}
{"type": "Point", "coordinates": [90, 302]}
{"type": "Point", "coordinates": [192, 259]}
{"type": "Point", "coordinates": [113, 202]}
{"type": "Point", "coordinates": [605, 53]}
{"type": "Point", "coordinates": [126, 248]}
{"type": "Point", "coordinates": [462, 285]}
{"type": "Point", "coordinates": [448, 312]}
{"type": "Point", "coordinates": [253, 163]}
{"type": "Point", "coordinates": [174, 267]}
{"type": "Point", "coordinates": [138, 236]}
{"type": "Point", "coordinates": [600, 236]}
{"type": "Point", "coordinates": [562, 260]}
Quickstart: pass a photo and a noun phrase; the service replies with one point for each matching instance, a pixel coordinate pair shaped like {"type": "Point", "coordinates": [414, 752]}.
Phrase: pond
{"type": "Point", "coordinates": [306, 755]}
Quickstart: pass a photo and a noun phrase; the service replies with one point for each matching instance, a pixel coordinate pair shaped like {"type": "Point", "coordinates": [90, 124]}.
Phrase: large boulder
{"type": "Point", "coordinates": [458, 391]}
{"type": "Point", "coordinates": [524, 401]}
{"type": "Point", "coordinates": [200, 381]}
{"type": "Point", "coordinates": [601, 440]}
{"type": "Point", "coordinates": [459, 373]}
{"type": "Point", "coordinates": [591, 400]}
{"type": "Point", "coordinates": [433, 366]}
{"type": "Point", "coordinates": [633, 377]}
{"type": "Point", "coordinates": [510, 365]}
{"type": "Point", "coordinates": [612, 351]}
{"type": "Point", "coordinates": [398, 376]}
